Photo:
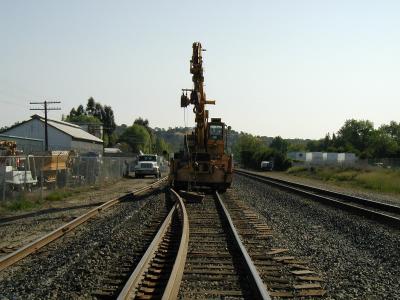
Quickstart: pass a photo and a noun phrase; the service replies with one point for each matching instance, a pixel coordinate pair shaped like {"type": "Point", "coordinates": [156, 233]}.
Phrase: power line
{"type": "Point", "coordinates": [45, 108]}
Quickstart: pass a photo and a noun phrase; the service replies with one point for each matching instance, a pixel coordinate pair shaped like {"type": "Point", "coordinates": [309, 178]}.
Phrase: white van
{"type": "Point", "coordinates": [267, 165]}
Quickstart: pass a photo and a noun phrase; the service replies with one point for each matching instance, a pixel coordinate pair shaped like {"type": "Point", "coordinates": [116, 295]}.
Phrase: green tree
{"type": "Point", "coordinates": [383, 145]}
{"type": "Point", "coordinates": [160, 146]}
{"type": "Point", "coordinates": [250, 150]}
{"type": "Point", "coordinates": [392, 130]}
{"type": "Point", "coordinates": [80, 110]}
{"type": "Point", "coordinates": [296, 147]}
{"type": "Point", "coordinates": [244, 148]}
{"type": "Point", "coordinates": [109, 123]}
{"type": "Point", "coordinates": [142, 122]}
{"type": "Point", "coordinates": [356, 135]}
{"type": "Point", "coordinates": [314, 146]}
{"type": "Point", "coordinates": [279, 144]}
{"type": "Point", "coordinates": [82, 119]}
{"type": "Point", "coordinates": [90, 106]}
{"type": "Point", "coordinates": [72, 113]}
{"type": "Point", "coordinates": [137, 137]}
{"type": "Point", "coordinates": [95, 113]}
{"type": "Point", "coordinates": [145, 123]}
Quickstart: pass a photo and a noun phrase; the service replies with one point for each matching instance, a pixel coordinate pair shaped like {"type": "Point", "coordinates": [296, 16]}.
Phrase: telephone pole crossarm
{"type": "Point", "coordinates": [45, 108]}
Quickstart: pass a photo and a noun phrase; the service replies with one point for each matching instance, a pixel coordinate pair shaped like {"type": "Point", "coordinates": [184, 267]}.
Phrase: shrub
{"type": "Point", "coordinates": [281, 163]}
{"type": "Point", "coordinates": [58, 195]}
{"type": "Point", "coordinates": [21, 203]}
{"type": "Point", "coordinates": [297, 169]}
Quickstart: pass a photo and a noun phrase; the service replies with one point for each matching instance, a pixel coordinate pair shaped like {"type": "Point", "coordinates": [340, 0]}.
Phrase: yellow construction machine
{"type": "Point", "coordinates": [203, 162]}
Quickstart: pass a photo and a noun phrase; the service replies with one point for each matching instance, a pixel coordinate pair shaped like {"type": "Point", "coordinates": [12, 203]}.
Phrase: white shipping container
{"type": "Point", "coordinates": [330, 157]}
{"type": "Point", "coordinates": [314, 157]}
{"type": "Point", "coordinates": [301, 156]}
{"type": "Point", "coordinates": [347, 158]}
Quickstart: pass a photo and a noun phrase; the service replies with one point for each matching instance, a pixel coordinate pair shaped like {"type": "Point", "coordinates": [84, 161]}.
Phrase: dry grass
{"type": "Point", "coordinates": [382, 180]}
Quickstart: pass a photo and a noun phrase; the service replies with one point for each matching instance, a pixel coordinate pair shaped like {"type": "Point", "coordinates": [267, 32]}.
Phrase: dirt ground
{"type": "Point", "coordinates": [19, 228]}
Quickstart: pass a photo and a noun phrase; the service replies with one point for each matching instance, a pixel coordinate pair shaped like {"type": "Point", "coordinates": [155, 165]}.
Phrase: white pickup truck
{"type": "Point", "coordinates": [147, 165]}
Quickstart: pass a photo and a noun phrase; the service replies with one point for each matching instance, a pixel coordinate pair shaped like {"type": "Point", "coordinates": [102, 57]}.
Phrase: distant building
{"type": "Point", "coordinates": [299, 156]}
{"type": "Point", "coordinates": [326, 158]}
{"type": "Point", "coordinates": [112, 150]}
{"type": "Point", "coordinates": [26, 145]}
{"type": "Point", "coordinates": [62, 135]}
{"type": "Point", "coordinates": [330, 157]}
{"type": "Point", "coordinates": [346, 158]}
{"type": "Point", "coordinates": [92, 128]}
{"type": "Point", "coordinates": [314, 157]}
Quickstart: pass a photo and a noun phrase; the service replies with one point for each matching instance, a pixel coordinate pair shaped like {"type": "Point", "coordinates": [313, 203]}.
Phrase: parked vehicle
{"type": "Point", "coordinates": [147, 165]}
{"type": "Point", "coordinates": [53, 166]}
{"type": "Point", "coordinates": [17, 172]}
{"type": "Point", "coordinates": [267, 165]}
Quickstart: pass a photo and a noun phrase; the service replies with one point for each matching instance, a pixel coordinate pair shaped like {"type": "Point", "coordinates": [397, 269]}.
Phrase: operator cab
{"type": "Point", "coordinates": [216, 130]}
{"type": "Point", "coordinates": [216, 138]}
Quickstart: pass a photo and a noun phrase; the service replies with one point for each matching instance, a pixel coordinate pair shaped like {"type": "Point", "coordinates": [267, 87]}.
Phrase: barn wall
{"type": "Point", "coordinates": [83, 147]}
{"type": "Point", "coordinates": [35, 129]}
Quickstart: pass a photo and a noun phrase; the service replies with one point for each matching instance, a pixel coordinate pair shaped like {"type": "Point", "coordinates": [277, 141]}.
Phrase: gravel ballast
{"type": "Point", "coordinates": [359, 258]}
{"type": "Point", "coordinates": [88, 260]}
{"type": "Point", "coordinates": [20, 228]}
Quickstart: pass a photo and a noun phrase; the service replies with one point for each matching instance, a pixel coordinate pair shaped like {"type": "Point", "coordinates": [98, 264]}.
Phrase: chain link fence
{"type": "Point", "coordinates": [37, 176]}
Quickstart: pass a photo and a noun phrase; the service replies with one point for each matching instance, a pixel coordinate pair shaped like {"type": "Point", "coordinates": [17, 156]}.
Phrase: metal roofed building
{"type": "Point", "coordinates": [62, 135]}
{"type": "Point", "coordinates": [24, 144]}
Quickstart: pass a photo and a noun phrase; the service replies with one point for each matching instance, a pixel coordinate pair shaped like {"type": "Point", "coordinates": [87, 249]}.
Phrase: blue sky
{"type": "Point", "coordinates": [289, 68]}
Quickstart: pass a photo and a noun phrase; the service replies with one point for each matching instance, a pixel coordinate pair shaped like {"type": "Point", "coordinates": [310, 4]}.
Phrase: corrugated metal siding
{"type": "Point", "coordinates": [83, 147]}
{"type": "Point", "coordinates": [27, 145]}
{"type": "Point", "coordinates": [75, 131]}
{"type": "Point", "coordinates": [35, 129]}
{"type": "Point", "coordinates": [58, 140]}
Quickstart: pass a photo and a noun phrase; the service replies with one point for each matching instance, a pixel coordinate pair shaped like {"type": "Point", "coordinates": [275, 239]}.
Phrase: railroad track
{"type": "Point", "coordinates": [34, 246]}
{"type": "Point", "coordinates": [213, 263]}
{"type": "Point", "coordinates": [284, 274]}
{"type": "Point", "coordinates": [218, 265]}
{"type": "Point", "coordinates": [379, 211]}
{"type": "Point", "coordinates": [159, 272]}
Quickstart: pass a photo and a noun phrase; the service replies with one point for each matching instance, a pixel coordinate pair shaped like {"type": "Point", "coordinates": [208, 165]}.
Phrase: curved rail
{"type": "Point", "coordinates": [258, 285]}
{"type": "Point", "coordinates": [172, 288]}
{"type": "Point", "coordinates": [380, 211]}
{"type": "Point", "coordinates": [175, 277]}
{"type": "Point", "coordinates": [19, 254]}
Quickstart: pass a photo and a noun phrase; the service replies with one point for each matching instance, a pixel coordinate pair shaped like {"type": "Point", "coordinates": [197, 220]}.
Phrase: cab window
{"type": "Point", "coordinates": [215, 132]}
{"type": "Point", "coordinates": [147, 158]}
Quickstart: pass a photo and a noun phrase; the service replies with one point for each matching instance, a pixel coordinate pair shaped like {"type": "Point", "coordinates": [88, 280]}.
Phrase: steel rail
{"type": "Point", "coordinates": [172, 287]}
{"type": "Point", "coordinates": [174, 282]}
{"type": "Point", "coordinates": [342, 200]}
{"type": "Point", "coordinates": [258, 285]}
{"type": "Point", "coordinates": [28, 249]}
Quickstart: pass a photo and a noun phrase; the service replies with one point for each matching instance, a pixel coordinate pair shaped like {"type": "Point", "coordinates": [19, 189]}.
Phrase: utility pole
{"type": "Point", "coordinates": [45, 109]}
